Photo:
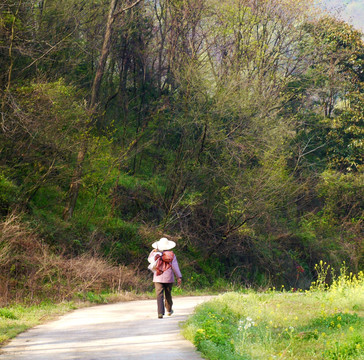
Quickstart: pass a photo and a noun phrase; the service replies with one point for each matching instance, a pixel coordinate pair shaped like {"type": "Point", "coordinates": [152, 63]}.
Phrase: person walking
{"type": "Point", "coordinates": [164, 272]}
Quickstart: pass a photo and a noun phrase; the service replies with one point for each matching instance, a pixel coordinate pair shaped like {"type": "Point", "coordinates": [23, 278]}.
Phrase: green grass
{"type": "Point", "coordinates": [316, 324]}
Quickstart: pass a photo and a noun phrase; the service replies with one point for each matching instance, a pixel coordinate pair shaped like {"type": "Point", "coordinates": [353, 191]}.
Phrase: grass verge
{"type": "Point", "coordinates": [322, 323]}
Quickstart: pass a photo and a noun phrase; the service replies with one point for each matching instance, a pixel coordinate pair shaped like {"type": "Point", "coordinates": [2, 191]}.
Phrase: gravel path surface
{"type": "Point", "coordinates": [128, 330]}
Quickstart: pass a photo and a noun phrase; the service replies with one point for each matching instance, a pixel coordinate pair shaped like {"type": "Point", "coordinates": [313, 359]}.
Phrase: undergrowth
{"type": "Point", "coordinates": [325, 322]}
{"type": "Point", "coordinates": [30, 272]}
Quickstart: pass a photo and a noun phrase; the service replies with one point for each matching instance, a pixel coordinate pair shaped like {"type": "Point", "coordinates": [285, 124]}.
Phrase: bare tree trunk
{"type": "Point", "coordinates": [12, 35]}
{"type": "Point", "coordinates": [75, 183]}
{"type": "Point", "coordinates": [106, 50]}
{"type": "Point", "coordinates": [77, 176]}
{"type": "Point", "coordinates": [78, 172]}
{"type": "Point", "coordinates": [103, 56]}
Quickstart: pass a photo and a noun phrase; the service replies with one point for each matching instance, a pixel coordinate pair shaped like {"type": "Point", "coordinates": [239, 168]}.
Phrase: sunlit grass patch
{"type": "Point", "coordinates": [351, 348]}
{"type": "Point", "coordinates": [337, 321]}
{"type": "Point", "coordinates": [326, 322]}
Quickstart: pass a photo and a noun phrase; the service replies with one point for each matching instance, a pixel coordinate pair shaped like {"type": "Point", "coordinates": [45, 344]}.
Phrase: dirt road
{"type": "Point", "coordinates": [129, 330]}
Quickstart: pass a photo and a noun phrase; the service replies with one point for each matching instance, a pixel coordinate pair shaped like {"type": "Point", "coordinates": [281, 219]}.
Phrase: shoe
{"type": "Point", "coordinates": [160, 316]}
{"type": "Point", "coordinates": [170, 313]}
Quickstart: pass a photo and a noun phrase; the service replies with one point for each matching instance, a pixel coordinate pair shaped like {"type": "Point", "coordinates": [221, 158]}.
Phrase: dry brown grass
{"type": "Point", "coordinates": [31, 272]}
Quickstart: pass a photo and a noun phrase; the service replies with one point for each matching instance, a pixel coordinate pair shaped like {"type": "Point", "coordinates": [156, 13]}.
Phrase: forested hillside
{"type": "Point", "coordinates": [233, 127]}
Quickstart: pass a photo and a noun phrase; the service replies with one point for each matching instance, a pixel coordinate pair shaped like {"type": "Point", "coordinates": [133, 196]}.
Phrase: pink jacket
{"type": "Point", "coordinates": [168, 275]}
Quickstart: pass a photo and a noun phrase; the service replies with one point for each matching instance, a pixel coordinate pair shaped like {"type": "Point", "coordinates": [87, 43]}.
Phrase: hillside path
{"type": "Point", "coordinates": [127, 330]}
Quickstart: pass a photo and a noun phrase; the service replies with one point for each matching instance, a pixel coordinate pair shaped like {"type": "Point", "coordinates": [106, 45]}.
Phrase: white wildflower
{"type": "Point", "coordinates": [247, 325]}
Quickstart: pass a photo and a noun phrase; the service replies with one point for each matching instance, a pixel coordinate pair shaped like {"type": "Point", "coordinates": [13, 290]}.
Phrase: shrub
{"type": "Point", "coordinates": [30, 271]}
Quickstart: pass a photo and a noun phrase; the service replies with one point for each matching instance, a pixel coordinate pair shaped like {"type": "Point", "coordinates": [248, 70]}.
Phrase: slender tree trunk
{"type": "Point", "coordinates": [12, 35]}
{"type": "Point", "coordinates": [77, 176]}
{"type": "Point", "coordinates": [76, 182]}
{"type": "Point", "coordinates": [103, 56]}
{"type": "Point", "coordinates": [78, 172]}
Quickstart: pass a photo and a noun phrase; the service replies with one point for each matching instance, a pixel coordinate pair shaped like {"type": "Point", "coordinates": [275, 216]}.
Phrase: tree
{"type": "Point", "coordinates": [332, 93]}
{"type": "Point", "coordinates": [77, 176]}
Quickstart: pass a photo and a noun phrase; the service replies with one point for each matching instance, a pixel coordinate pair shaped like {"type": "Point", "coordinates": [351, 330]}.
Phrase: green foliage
{"type": "Point", "coordinates": [338, 34]}
{"type": "Point", "coordinates": [343, 195]}
{"type": "Point", "coordinates": [340, 218]}
{"type": "Point", "coordinates": [93, 297]}
{"type": "Point", "coordinates": [337, 320]}
{"type": "Point", "coordinates": [7, 314]}
{"type": "Point", "coordinates": [196, 280]}
{"type": "Point", "coordinates": [216, 352]}
{"type": "Point", "coordinates": [346, 149]}
{"type": "Point", "coordinates": [217, 326]}
{"type": "Point", "coordinates": [8, 194]}
{"type": "Point", "coordinates": [351, 349]}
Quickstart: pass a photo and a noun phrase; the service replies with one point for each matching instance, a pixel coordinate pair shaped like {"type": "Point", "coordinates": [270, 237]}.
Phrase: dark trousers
{"type": "Point", "coordinates": [164, 290]}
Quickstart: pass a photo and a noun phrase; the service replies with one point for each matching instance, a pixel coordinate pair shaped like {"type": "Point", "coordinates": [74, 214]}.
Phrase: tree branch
{"type": "Point", "coordinates": [49, 50]}
{"type": "Point", "coordinates": [127, 8]}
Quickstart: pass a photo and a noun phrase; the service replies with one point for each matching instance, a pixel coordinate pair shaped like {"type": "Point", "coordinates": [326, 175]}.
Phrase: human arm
{"type": "Point", "coordinates": [176, 270]}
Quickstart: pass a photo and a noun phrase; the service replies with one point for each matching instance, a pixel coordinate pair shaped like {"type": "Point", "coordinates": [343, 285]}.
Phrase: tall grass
{"type": "Point", "coordinates": [326, 322]}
